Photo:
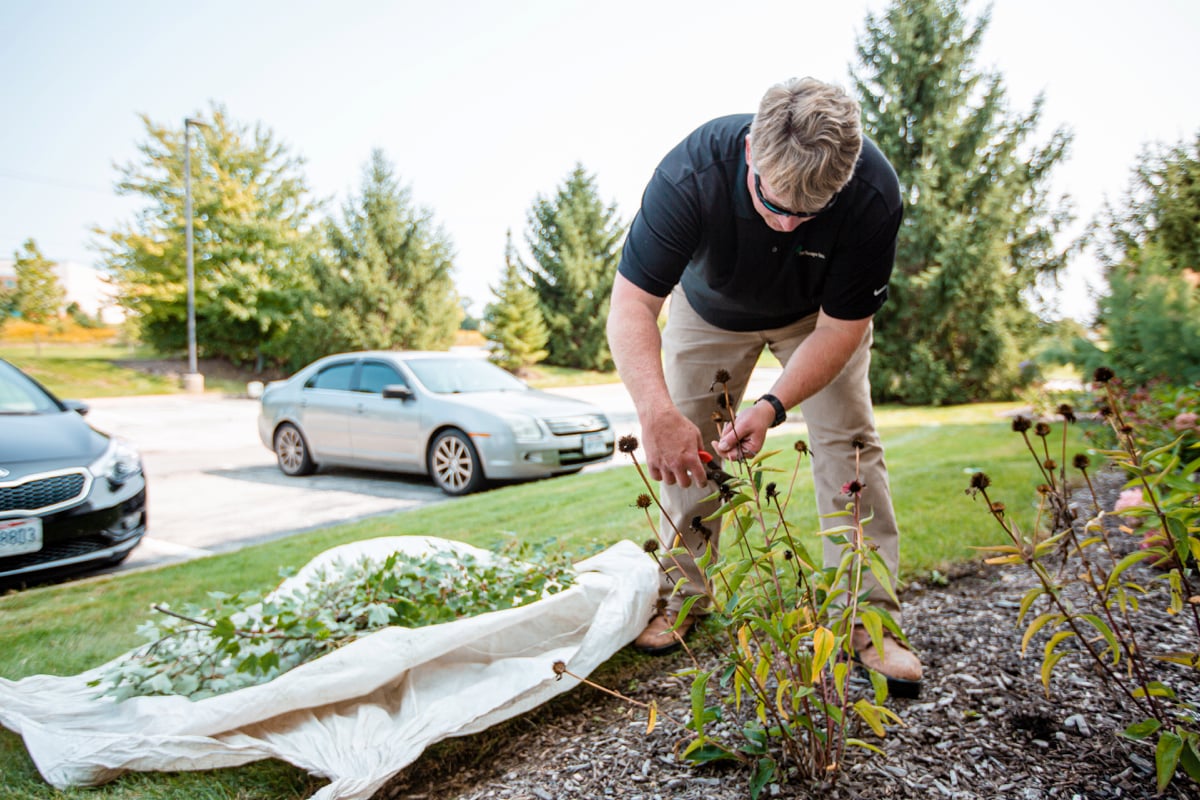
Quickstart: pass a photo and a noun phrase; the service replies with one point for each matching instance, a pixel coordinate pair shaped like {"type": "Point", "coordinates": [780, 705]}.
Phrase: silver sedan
{"type": "Point", "coordinates": [460, 420]}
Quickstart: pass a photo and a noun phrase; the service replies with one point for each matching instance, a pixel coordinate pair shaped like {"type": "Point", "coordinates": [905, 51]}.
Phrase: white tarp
{"type": "Point", "coordinates": [360, 714]}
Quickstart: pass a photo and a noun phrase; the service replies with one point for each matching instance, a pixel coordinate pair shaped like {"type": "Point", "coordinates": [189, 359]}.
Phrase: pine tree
{"type": "Point", "coordinates": [514, 323]}
{"type": "Point", "coordinates": [252, 223]}
{"type": "Point", "coordinates": [39, 295]}
{"type": "Point", "coordinates": [575, 243]}
{"type": "Point", "coordinates": [384, 279]}
{"type": "Point", "coordinates": [978, 233]}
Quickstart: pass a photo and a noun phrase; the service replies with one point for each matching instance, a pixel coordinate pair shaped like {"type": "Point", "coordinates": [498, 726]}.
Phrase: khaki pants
{"type": "Point", "coordinates": [837, 415]}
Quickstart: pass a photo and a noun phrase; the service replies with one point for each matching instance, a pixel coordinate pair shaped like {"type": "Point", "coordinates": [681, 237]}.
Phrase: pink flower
{"type": "Point", "coordinates": [1130, 498]}
{"type": "Point", "coordinates": [1185, 420]}
{"type": "Point", "coordinates": [853, 487]}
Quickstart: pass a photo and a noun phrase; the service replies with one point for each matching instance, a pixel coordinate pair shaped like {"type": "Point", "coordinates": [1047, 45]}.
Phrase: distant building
{"type": "Point", "coordinates": [83, 285]}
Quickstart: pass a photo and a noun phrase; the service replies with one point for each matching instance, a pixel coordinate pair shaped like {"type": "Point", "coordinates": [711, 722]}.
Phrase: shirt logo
{"type": "Point", "coordinates": [880, 290]}
{"type": "Point", "coordinates": [810, 254]}
{"type": "Point", "coordinates": [3, 472]}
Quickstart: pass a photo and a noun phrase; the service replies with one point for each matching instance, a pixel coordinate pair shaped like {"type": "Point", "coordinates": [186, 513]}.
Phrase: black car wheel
{"type": "Point", "coordinates": [454, 464]}
{"type": "Point", "coordinates": [291, 451]}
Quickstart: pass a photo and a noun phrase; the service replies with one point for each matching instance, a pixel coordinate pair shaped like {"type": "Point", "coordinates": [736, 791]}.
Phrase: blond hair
{"type": "Point", "coordinates": [805, 140]}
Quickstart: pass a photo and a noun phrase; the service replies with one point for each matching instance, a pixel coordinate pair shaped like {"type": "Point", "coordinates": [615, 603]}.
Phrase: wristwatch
{"type": "Point", "coordinates": [780, 411]}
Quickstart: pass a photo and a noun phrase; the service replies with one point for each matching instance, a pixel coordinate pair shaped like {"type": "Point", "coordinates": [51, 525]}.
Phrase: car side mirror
{"type": "Point", "coordinates": [397, 392]}
{"type": "Point", "coordinates": [78, 406]}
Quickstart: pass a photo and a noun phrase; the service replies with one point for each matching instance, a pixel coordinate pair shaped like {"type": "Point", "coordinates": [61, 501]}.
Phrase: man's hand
{"type": "Point", "coordinates": [672, 445]}
{"type": "Point", "coordinates": [745, 437]}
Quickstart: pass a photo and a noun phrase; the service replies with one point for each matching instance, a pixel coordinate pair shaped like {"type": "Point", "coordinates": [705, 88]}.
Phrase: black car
{"type": "Point", "coordinates": [71, 498]}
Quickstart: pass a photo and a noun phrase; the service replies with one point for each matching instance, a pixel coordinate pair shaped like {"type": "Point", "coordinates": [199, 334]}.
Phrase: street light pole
{"type": "Point", "coordinates": [193, 381]}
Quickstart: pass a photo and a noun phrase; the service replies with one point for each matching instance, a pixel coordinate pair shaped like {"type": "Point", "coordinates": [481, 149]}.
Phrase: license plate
{"type": "Point", "coordinates": [20, 536]}
{"type": "Point", "coordinates": [593, 444]}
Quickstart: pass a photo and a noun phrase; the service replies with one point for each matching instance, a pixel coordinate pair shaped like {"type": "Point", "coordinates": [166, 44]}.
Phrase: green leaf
{"type": "Point", "coordinates": [764, 773]}
{"type": "Point", "coordinates": [1166, 758]}
{"type": "Point", "coordinates": [1109, 637]}
{"type": "Point", "coordinates": [1140, 730]}
{"type": "Point", "coordinates": [699, 689]}
{"type": "Point", "coordinates": [1189, 759]}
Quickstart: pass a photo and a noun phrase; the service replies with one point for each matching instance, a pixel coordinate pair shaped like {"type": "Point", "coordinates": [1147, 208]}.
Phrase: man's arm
{"type": "Point", "coordinates": [814, 364]}
{"type": "Point", "coordinates": [671, 441]}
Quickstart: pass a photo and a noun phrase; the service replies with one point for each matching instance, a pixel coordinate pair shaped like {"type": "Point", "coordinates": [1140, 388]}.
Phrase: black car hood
{"type": "Point", "coordinates": [37, 442]}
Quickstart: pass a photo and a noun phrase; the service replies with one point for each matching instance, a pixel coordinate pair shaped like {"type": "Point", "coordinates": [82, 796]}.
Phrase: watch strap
{"type": "Point", "coordinates": [780, 411]}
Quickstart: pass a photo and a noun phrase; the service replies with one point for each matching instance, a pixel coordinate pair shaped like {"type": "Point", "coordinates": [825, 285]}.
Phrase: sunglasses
{"type": "Point", "coordinates": [783, 212]}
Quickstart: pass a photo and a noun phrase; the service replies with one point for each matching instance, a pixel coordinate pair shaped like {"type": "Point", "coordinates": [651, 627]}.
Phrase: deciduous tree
{"type": "Point", "coordinates": [39, 295]}
{"type": "Point", "coordinates": [1149, 244]}
{"type": "Point", "coordinates": [252, 218]}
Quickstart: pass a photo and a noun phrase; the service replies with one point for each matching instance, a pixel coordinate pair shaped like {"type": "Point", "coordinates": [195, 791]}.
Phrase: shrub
{"type": "Point", "coordinates": [1090, 607]}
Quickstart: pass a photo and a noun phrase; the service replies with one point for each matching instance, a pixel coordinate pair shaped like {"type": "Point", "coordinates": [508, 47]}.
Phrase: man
{"type": "Point", "coordinates": [776, 229]}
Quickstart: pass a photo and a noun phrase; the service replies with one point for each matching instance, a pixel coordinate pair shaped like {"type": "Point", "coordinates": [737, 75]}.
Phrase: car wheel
{"type": "Point", "coordinates": [454, 464]}
{"type": "Point", "coordinates": [291, 451]}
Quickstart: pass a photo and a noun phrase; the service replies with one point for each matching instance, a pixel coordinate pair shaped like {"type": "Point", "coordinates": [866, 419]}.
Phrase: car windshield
{"type": "Point", "coordinates": [453, 375]}
{"type": "Point", "coordinates": [20, 395]}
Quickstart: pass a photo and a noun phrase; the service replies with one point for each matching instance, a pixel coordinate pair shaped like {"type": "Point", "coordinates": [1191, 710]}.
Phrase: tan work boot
{"type": "Point", "coordinates": [897, 663]}
{"type": "Point", "coordinates": [658, 639]}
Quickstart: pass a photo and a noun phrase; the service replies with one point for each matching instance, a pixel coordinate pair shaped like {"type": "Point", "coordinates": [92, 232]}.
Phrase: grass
{"type": "Point", "coordinates": [68, 628]}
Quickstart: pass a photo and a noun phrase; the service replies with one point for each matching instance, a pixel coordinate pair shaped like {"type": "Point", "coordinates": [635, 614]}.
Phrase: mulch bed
{"type": "Point", "coordinates": [983, 726]}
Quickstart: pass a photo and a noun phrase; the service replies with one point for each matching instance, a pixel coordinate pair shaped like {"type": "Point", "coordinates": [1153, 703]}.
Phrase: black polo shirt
{"type": "Point", "coordinates": [697, 226]}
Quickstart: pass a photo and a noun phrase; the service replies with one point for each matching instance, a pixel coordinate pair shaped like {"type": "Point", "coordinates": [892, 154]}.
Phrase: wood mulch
{"type": "Point", "coordinates": [983, 726]}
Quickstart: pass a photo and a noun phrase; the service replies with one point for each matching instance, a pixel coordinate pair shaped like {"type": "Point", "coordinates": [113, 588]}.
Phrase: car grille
{"type": "Point", "coordinates": [586, 423]}
{"type": "Point", "coordinates": [73, 549]}
{"type": "Point", "coordinates": [49, 491]}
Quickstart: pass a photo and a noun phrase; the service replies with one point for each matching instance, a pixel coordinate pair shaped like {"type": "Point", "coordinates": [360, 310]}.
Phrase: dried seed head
{"type": "Point", "coordinates": [997, 508]}
{"type": "Point", "coordinates": [722, 401]}
{"type": "Point", "coordinates": [1042, 429]}
{"type": "Point", "coordinates": [980, 480]}
{"type": "Point", "coordinates": [1050, 463]}
{"type": "Point", "coordinates": [717, 417]}
{"type": "Point", "coordinates": [1105, 410]}
{"type": "Point", "coordinates": [699, 527]}
{"type": "Point", "coordinates": [1103, 375]}
{"type": "Point", "coordinates": [722, 376]}
{"type": "Point", "coordinates": [1127, 429]}
{"type": "Point", "coordinates": [857, 443]}
{"type": "Point", "coordinates": [1021, 424]}
{"type": "Point", "coordinates": [1067, 412]}
{"type": "Point", "coordinates": [660, 605]}
{"type": "Point", "coordinates": [560, 668]}
{"type": "Point", "coordinates": [801, 446]}
{"type": "Point", "coordinates": [1043, 488]}
{"type": "Point", "coordinates": [1082, 461]}
{"type": "Point", "coordinates": [650, 546]}
{"type": "Point", "coordinates": [627, 444]}
{"type": "Point", "coordinates": [644, 501]}
{"type": "Point", "coordinates": [788, 555]}
{"type": "Point", "coordinates": [772, 490]}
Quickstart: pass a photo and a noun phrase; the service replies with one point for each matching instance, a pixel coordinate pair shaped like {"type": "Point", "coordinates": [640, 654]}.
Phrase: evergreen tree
{"type": "Point", "coordinates": [251, 219]}
{"type": "Point", "coordinates": [514, 323]}
{"type": "Point", "coordinates": [384, 279]}
{"type": "Point", "coordinates": [575, 242]}
{"type": "Point", "coordinates": [39, 295]}
{"type": "Point", "coordinates": [1150, 248]}
{"type": "Point", "coordinates": [978, 233]}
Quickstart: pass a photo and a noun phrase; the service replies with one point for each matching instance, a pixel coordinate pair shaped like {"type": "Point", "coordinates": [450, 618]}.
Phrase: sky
{"type": "Point", "coordinates": [482, 106]}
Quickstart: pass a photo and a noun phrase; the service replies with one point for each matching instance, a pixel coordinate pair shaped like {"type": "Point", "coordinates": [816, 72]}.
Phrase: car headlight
{"type": "Point", "coordinates": [119, 462]}
{"type": "Point", "coordinates": [524, 429]}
